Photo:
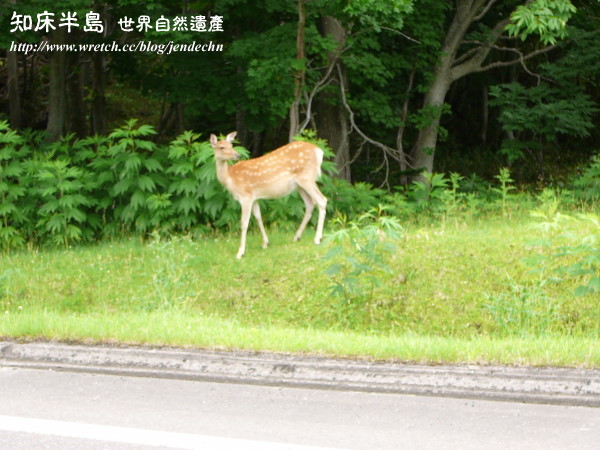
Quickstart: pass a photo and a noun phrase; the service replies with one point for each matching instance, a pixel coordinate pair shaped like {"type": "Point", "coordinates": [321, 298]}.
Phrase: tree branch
{"type": "Point", "coordinates": [388, 151]}
{"type": "Point", "coordinates": [521, 59]}
{"type": "Point", "coordinates": [484, 11]}
{"type": "Point", "coordinates": [406, 36]}
{"type": "Point", "coordinates": [324, 81]}
{"type": "Point", "coordinates": [466, 55]}
{"type": "Point", "coordinates": [467, 66]}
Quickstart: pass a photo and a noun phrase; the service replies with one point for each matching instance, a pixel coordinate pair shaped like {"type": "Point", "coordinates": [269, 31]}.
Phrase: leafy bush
{"type": "Point", "coordinates": [429, 195]}
{"type": "Point", "coordinates": [351, 200]}
{"type": "Point", "coordinates": [358, 260]}
{"type": "Point", "coordinates": [64, 197]}
{"type": "Point", "coordinates": [14, 182]}
{"type": "Point", "coordinates": [537, 121]}
{"type": "Point", "coordinates": [505, 187]}
{"type": "Point", "coordinates": [572, 245]}
{"type": "Point", "coordinates": [587, 184]}
{"type": "Point", "coordinates": [81, 190]}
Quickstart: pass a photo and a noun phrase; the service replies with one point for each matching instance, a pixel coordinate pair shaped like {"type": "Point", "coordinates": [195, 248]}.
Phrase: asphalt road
{"type": "Point", "coordinates": [45, 408]}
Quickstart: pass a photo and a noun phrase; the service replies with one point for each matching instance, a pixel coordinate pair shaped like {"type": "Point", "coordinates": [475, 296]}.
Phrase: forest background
{"type": "Point", "coordinates": [393, 86]}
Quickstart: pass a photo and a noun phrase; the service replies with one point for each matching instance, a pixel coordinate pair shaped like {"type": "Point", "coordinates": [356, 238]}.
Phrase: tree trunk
{"type": "Point", "coordinates": [423, 151]}
{"type": "Point", "coordinates": [331, 117]}
{"type": "Point", "coordinates": [14, 97]}
{"type": "Point", "coordinates": [299, 77]}
{"type": "Point", "coordinates": [98, 111]}
{"type": "Point", "coordinates": [12, 83]}
{"type": "Point", "coordinates": [332, 124]}
{"type": "Point", "coordinates": [76, 109]}
{"type": "Point", "coordinates": [179, 118]}
{"type": "Point", "coordinates": [485, 114]}
{"type": "Point", "coordinates": [404, 166]}
{"type": "Point", "coordinates": [57, 99]}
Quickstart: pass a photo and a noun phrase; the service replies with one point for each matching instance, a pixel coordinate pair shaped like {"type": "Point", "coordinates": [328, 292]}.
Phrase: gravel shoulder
{"type": "Point", "coordinates": [577, 387]}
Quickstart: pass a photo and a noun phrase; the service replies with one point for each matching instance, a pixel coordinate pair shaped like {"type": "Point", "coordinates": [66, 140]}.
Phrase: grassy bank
{"type": "Point", "coordinates": [182, 330]}
{"type": "Point", "coordinates": [457, 292]}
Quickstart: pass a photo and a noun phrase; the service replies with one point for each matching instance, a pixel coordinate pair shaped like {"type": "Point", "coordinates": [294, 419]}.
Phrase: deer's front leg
{"type": "Point", "coordinates": [246, 210]}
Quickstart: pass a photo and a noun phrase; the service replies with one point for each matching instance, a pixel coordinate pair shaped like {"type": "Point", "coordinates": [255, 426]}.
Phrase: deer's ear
{"type": "Point", "coordinates": [231, 136]}
{"type": "Point", "coordinates": [213, 140]}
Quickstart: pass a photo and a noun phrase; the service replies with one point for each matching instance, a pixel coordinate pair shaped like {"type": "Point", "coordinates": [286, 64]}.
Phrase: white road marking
{"type": "Point", "coordinates": [135, 435]}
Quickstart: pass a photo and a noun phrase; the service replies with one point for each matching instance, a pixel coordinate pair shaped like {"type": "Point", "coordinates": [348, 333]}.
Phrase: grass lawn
{"type": "Point", "coordinates": [458, 292]}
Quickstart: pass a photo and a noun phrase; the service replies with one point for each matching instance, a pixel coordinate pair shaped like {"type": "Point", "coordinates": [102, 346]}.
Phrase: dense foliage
{"type": "Point", "coordinates": [85, 189]}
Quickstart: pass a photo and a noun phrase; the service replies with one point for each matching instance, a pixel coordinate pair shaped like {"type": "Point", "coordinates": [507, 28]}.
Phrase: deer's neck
{"type": "Point", "coordinates": [223, 173]}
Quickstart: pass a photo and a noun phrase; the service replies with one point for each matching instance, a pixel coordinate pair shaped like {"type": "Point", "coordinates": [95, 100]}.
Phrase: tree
{"type": "Point", "coordinates": [372, 77]}
{"type": "Point", "coordinates": [546, 18]}
{"type": "Point", "coordinates": [537, 117]}
{"type": "Point", "coordinates": [331, 117]}
{"type": "Point", "coordinates": [300, 71]}
{"type": "Point", "coordinates": [346, 25]}
{"type": "Point", "coordinates": [57, 95]}
{"type": "Point", "coordinates": [14, 97]}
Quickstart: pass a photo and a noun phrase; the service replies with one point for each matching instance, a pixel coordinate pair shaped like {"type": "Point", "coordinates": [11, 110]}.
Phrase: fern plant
{"type": "Point", "coordinates": [587, 185]}
{"type": "Point", "coordinates": [136, 164]}
{"type": "Point", "coordinates": [572, 246]}
{"type": "Point", "coordinates": [358, 259]}
{"type": "Point", "coordinates": [505, 187]}
{"type": "Point", "coordinates": [429, 195]}
{"type": "Point", "coordinates": [198, 198]}
{"type": "Point", "coordinates": [64, 199]}
{"type": "Point", "coordinates": [14, 184]}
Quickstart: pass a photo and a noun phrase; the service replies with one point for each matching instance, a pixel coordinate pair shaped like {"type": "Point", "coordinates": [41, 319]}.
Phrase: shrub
{"type": "Point", "coordinates": [358, 260]}
{"type": "Point", "coordinates": [587, 184]}
{"type": "Point", "coordinates": [572, 245]}
{"type": "Point", "coordinates": [81, 190]}
{"type": "Point", "coordinates": [14, 183]}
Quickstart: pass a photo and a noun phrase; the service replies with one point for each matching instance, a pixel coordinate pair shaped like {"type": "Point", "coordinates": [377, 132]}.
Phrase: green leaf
{"type": "Point", "coordinates": [153, 165]}
{"type": "Point", "coordinates": [133, 163]}
{"type": "Point", "coordinates": [122, 186]}
{"type": "Point", "coordinates": [594, 284]}
{"type": "Point", "coordinates": [188, 204]}
{"type": "Point", "coordinates": [334, 270]}
{"type": "Point", "coordinates": [145, 183]}
{"type": "Point", "coordinates": [138, 199]}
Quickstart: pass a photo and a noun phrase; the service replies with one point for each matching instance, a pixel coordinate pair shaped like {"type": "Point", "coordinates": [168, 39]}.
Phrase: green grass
{"type": "Point", "coordinates": [174, 328]}
{"type": "Point", "coordinates": [458, 292]}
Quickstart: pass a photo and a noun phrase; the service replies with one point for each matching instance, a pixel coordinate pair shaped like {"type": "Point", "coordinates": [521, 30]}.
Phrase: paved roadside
{"type": "Point", "coordinates": [577, 387]}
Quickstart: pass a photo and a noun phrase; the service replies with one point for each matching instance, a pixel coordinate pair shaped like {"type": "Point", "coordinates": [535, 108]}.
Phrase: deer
{"type": "Point", "coordinates": [295, 166]}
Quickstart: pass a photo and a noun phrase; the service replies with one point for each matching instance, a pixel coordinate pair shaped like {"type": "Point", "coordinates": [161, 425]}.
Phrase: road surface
{"type": "Point", "coordinates": [55, 409]}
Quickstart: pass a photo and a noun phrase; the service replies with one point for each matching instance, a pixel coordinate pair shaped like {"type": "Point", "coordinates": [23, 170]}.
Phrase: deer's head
{"type": "Point", "coordinates": [223, 149]}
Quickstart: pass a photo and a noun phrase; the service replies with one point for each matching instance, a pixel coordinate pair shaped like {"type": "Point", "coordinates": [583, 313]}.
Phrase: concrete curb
{"type": "Point", "coordinates": [576, 387]}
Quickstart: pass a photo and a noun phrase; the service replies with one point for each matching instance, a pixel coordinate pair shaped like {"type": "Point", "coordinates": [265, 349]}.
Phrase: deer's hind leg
{"type": "Point", "coordinates": [317, 198]}
{"type": "Point", "coordinates": [310, 206]}
{"type": "Point", "coordinates": [258, 217]}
